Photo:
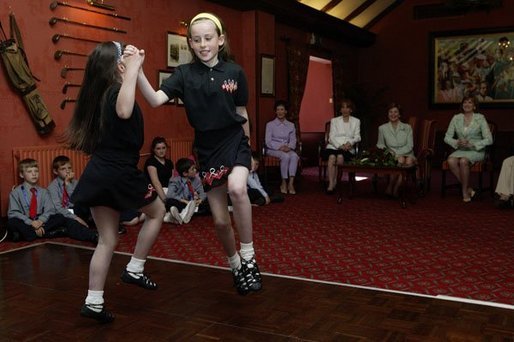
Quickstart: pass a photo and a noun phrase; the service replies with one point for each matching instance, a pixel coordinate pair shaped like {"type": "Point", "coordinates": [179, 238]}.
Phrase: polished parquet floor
{"type": "Point", "coordinates": [42, 288]}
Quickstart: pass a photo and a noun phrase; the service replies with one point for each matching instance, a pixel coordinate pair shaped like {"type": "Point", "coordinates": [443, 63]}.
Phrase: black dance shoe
{"type": "Point", "coordinates": [242, 280]}
{"type": "Point", "coordinates": [139, 279]}
{"type": "Point", "coordinates": [103, 316]}
{"type": "Point", "coordinates": [253, 269]}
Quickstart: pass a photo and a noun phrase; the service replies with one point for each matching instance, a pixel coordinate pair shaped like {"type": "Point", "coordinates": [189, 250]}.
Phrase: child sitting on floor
{"type": "Point", "coordinates": [256, 192]}
{"type": "Point", "coordinates": [61, 188]}
{"type": "Point", "coordinates": [32, 215]}
{"type": "Point", "coordinates": [185, 194]}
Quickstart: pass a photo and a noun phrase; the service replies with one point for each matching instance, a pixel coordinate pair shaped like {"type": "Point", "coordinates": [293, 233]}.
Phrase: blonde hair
{"type": "Point", "coordinates": [211, 17]}
{"type": "Point", "coordinates": [24, 164]}
{"type": "Point", "coordinates": [224, 50]}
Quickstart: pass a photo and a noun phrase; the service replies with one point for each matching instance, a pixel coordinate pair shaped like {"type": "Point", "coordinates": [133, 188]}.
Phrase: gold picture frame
{"type": "Point", "coordinates": [472, 63]}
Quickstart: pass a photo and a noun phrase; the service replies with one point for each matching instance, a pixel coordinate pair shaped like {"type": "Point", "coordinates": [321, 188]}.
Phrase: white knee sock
{"type": "Point", "coordinates": [95, 300]}
{"type": "Point", "coordinates": [136, 265]}
{"type": "Point", "coordinates": [247, 251]}
{"type": "Point", "coordinates": [234, 261]}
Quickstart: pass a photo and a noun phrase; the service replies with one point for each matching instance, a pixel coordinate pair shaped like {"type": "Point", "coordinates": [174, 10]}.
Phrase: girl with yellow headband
{"type": "Point", "coordinates": [215, 93]}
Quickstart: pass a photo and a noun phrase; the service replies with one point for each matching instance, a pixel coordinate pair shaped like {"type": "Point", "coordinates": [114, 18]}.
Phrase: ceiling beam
{"type": "Point", "coordinates": [383, 14]}
{"type": "Point", "coordinates": [330, 5]}
{"type": "Point", "coordinates": [359, 10]}
{"type": "Point", "coordinates": [296, 14]}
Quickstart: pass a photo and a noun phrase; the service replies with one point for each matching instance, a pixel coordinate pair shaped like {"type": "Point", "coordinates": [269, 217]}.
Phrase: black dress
{"type": "Point", "coordinates": [111, 178]}
{"type": "Point", "coordinates": [164, 171]}
{"type": "Point", "coordinates": [211, 95]}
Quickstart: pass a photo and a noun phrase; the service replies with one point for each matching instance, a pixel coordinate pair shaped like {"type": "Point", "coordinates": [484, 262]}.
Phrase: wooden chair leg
{"type": "Point", "coordinates": [428, 184]}
{"type": "Point", "coordinates": [491, 182]}
{"type": "Point", "coordinates": [266, 175]}
{"type": "Point", "coordinates": [443, 183]}
{"type": "Point", "coordinates": [374, 183]}
{"type": "Point", "coordinates": [480, 183]}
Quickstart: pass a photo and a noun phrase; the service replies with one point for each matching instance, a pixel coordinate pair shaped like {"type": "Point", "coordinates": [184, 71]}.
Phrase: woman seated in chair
{"type": "Point", "coordinates": [345, 132]}
{"type": "Point", "coordinates": [468, 133]}
{"type": "Point", "coordinates": [281, 143]}
{"type": "Point", "coordinates": [396, 136]}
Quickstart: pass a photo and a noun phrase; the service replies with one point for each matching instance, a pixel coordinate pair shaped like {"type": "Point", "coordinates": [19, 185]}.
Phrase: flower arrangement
{"type": "Point", "coordinates": [377, 157]}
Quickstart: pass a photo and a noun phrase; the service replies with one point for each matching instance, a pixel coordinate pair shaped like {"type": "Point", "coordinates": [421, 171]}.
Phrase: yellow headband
{"type": "Point", "coordinates": [205, 15]}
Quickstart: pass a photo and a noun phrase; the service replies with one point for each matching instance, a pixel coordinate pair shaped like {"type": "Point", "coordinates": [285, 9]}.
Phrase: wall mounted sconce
{"type": "Point", "coordinates": [183, 25]}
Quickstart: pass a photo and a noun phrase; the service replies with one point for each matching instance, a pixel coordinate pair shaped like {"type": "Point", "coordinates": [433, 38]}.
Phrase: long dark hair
{"type": "Point", "coordinates": [87, 124]}
{"type": "Point", "coordinates": [224, 50]}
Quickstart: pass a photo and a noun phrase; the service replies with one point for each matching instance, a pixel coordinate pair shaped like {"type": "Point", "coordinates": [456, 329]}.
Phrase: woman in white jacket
{"type": "Point", "coordinates": [345, 132]}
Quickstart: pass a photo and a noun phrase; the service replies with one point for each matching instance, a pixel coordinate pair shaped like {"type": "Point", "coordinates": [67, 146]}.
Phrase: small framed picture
{"type": "Point", "coordinates": [162, 75]}
{"type": "Point", "coordinates": [267, 75]}
{"type": "Point", "coordinates": [178, 50]}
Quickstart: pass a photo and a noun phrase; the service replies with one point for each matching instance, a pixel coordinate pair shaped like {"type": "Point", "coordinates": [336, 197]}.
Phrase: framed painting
{"type": "Point", "coordinates": [472, 63]}
{"type": "Point", "coordinates": [177, 50]}
{"type": "Point", "coordinates": [267, 75]}
{"type": "Point", "coordinates": [161, 76]}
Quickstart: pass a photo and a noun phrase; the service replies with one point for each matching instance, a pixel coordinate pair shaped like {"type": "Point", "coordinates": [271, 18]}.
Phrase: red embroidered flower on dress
{"type": "Point", "coordinates": [151, 189]}
{"type": "Point", "coordinates": [212, 175]}
{"type": "Point", "coordinates": [229, 86]}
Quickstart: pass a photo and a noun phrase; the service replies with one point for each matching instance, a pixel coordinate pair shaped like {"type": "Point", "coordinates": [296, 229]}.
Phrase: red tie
{"type": "Point", "coordinates": [191, 190]}
{"type": "Point", "coordinates": [33, 204]}
{"type": "Point", "coordinates": [65, 196]}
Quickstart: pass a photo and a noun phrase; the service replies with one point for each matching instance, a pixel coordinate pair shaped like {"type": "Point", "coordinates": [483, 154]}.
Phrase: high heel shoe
{"type": "Point", "coordinates": [283, 189]}
{"type": "Point", "coordinates": [330, 191]}
{"type": "Point", "coordinates": [472, 194]}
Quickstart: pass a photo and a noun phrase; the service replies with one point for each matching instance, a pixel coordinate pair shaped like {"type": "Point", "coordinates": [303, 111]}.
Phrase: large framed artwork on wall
{"type": "Point", "coordinates": [472, 62]}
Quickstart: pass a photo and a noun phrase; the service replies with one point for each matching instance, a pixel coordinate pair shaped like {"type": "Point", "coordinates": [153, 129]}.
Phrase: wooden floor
{"type": "Point", "coordinates": [43, 287]}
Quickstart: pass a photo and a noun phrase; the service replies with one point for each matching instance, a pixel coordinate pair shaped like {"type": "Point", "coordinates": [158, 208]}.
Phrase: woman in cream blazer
{"type": "Point", "coordinates": [345, 132]}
